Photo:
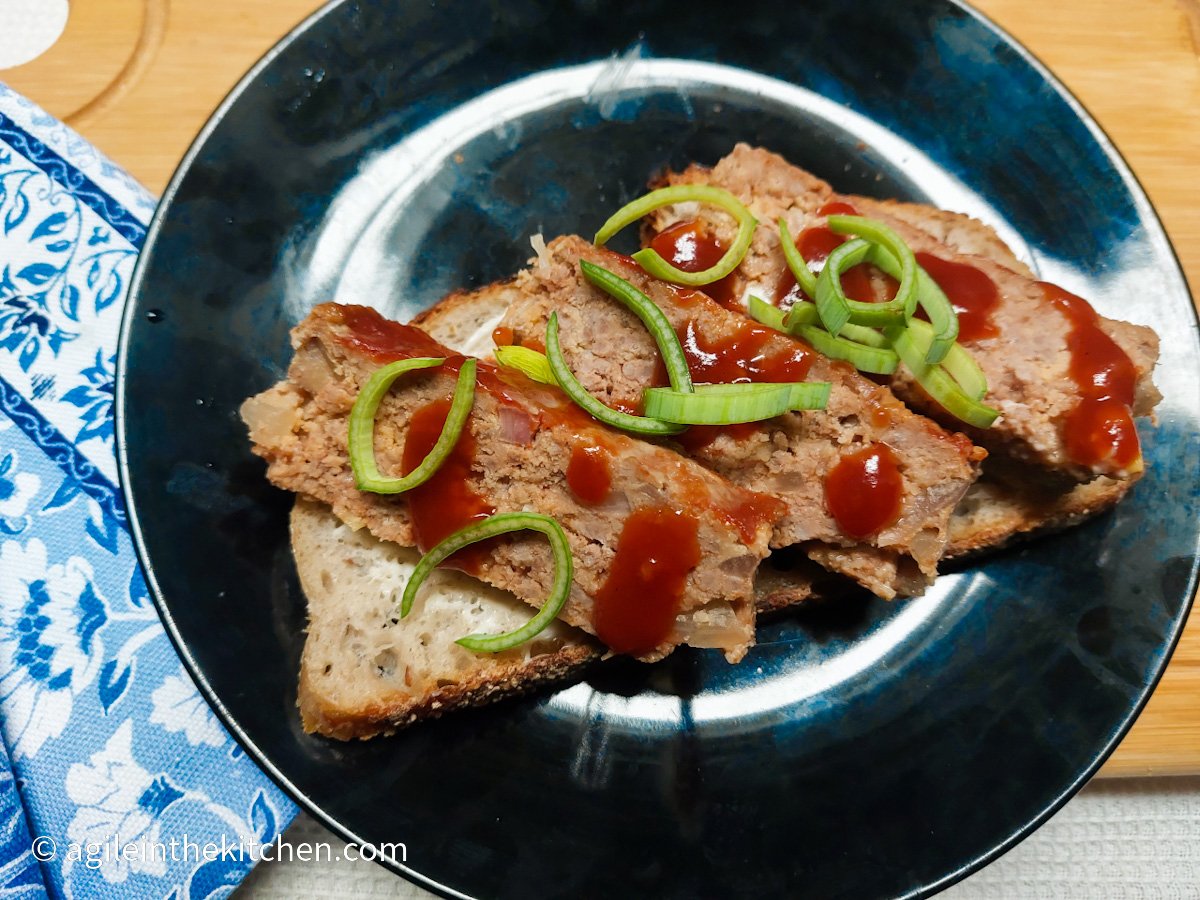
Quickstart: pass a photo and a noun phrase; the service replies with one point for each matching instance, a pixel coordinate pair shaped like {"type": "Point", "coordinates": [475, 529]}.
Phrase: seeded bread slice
{"type": "Point", "coordinates": [364, 671]}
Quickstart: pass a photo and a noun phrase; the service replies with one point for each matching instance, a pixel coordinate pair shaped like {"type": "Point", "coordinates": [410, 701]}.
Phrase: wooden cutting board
{"type": "Point", "coordinates": [138, 78]}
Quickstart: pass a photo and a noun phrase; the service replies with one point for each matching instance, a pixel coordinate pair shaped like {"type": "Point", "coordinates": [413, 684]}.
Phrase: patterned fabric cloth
{"type": "Point", "coordinates": [118, 781]}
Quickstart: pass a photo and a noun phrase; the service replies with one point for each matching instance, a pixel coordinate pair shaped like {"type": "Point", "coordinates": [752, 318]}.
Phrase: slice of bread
{"type": "Point", "coordinates": [365, 671]}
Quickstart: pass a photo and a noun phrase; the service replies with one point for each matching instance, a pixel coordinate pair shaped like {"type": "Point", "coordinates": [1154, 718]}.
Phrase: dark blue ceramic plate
{"type": "Point", "coordinates": [388, 152]}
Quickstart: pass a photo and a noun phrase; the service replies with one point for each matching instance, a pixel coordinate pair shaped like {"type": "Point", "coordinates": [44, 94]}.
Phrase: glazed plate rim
{"type": "Point", "coordinates": [1149, 219]}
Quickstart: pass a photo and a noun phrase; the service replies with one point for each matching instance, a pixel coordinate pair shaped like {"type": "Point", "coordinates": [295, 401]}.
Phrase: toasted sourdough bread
{"type": "Point", "coordinates": [364, 672]}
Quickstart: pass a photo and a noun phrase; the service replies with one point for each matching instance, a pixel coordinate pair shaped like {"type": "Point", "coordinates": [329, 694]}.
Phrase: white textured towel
{"type": "Point", "coordinates": [1136, 839]}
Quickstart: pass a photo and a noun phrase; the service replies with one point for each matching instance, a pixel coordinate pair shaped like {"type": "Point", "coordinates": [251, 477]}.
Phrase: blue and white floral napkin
{"type": "Point", "coordinates": [118, 781]}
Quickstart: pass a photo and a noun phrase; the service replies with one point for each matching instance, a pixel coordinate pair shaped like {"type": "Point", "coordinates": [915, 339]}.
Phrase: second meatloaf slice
{"type": "Point", "coordinates": [665, 551]}
{"type": "Point", "coordinates": [793, 457]}
{"type": "Point", "coordinates": [1028, 337]}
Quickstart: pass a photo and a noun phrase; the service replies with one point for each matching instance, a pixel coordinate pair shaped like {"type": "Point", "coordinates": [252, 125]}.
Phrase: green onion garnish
{"type": "Point", "coordinates": [649, 259]}
{"type": "Point", "coordinates": [941, 366]}
{"type": "Point", "coordinates": [865, 358]}
{"type": "Point", "coordinates": [942, 318]}
{"type": "Point", "coordinates": [578, 393]}
{"type": "Point", "coordinates": [936, 380]}
{"type": "Point", "coordinates": [362, 426]}
{"type": "Point", "coordinates": [799, 268]}
{"type": "Point", "coordinates": [803, 313]}
{"type": "Point", "coordinates": [886, 239]}
{"type": "Point", "coordinates": [960, 364]}
{"type": "Point", "coordinates": [835, 309]}
{"type": "Point", "coordinates": [872, 337]}
{"type": "Point", "coordinates": [931, 298]}
{"type": "Point", "coordinates": [732, 404]}
{"type": "Point", "coordinates": [652, 317]}
{"type": "Point", "coordinates": [864, 348]}
{"type": "Point", "coordinates": [503, 523]}
{"type": "Point", "coordinates": [765, 314]}
{"type": "Point", "coordinates": [526, 360]}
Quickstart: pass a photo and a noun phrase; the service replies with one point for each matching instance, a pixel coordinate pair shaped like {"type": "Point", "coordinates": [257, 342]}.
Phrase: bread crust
{"type": "Point", "coordinates": [344, 691]}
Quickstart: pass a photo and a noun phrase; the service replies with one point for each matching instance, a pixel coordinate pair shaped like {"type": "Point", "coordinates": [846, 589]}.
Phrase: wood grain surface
{"type": "Point", "coordinates": [138, 78]}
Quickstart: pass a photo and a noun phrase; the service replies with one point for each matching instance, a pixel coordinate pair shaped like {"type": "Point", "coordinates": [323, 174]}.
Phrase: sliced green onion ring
{"type": "Point", "coordinates": [882, 236]}
{"type": "Point", "coordinates": [765, 314]}
{"type": "Point", "coordinates": [652, 317]}
{"type": "Point", "coordinates": [799, 268]}
{"type": "Point", "coordinates": [865, 358]}
{"type": "Point", "coordinates": [832, 304]}
{"type": "Point", "coordinates": [937, 381]}
{"type": "Point", "coordinates": [931, 298]}
{"type": "Point", "coordinates": [872, 337]}
{"type": "Point", "coordinates": [683, 193]}
{"type": "Point", "coordinates": [593, 407]}
{"type": "Point", "coordinates": [805, 313]}
{"type": "Point", "coordinates": [362, 426]}
{"type": "Point", "coordinates": [527, 360]}
{"type": "Point", "coordinates": [733, 404]}
{"type": "Point", "coordinates": [960, 364]}
{"type": "Point", "coordinates": [802, 313]}
{"type": "Point", "coordinates": [503, 523]}
{"type": "Point", "coordinates": [942, 318]}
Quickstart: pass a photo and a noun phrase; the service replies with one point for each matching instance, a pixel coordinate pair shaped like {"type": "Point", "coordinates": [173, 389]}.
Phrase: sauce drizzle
{"type": "Point", "coordinates": [635, 607]}
{"type": "Point", "coordinates": [385, 341]}
{"type": "Point", "coordinates": [815, 244]}
{"type": "Point", "coordinates": [688, 246]}
{"type": "Point", "coordinates": [748, 353]}
{"type": "Point", "coordinates": [1100, 429]}
{"type": "Point", "coordinates": [970, 291]}
{"type": "Point", "coordinates": [589, 475]}
{"type": "Point", "coordinates": [447, 502]}
{"type": "Point", "coordinates": [864, 491]}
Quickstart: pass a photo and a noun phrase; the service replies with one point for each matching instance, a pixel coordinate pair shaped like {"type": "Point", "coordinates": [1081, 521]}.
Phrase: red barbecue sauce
{"type": "Point", "coordinates": [815, 244]}
{"type": "Point", "coordinates": [864, 491]}
{"type": "Point", "coordinates": [635, 607]}
{"type": "Point", "coordinates": [749, 353]}
{"type": "Point", "coordinates": [747, 515]}
{"type": "Point", "coordinates": [381, 338]}
{"type": "Point", "coordinates": [534, 343]}
{"type": "Point", "coordinates": [1100, 428]}
{"type": "Point", "coordinates": [502, 336]}
{"type": "Point", "coordinates": [447, 502]}
{"type": "Point", "coordinates": [589, 476]}
{"type": "Point", "coordinates": [970, 291]}
{"type": "Point", "coordinates": [689, 246]}
{"type": "Point", "coordinates": [837, 208]}
{"type": "Point", "coordinates": [386, 341]}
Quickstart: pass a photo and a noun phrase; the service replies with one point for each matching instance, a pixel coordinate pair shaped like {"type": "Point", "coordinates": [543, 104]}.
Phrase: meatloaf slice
{"type": "Point", "coordinates": [690, 582]}
{"type": "Point", "coordinates": [1027, 360]}
{"type": "Point", "coordinates": [789, 457]}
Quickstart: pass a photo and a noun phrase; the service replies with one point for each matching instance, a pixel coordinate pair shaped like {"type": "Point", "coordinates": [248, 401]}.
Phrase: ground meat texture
{"type": "Point", "coordinates": [300, 428]}
{"type": "Point", "coordinates": [1027, 363]}
{"type": "Point", "coordinates": [788, 457]}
